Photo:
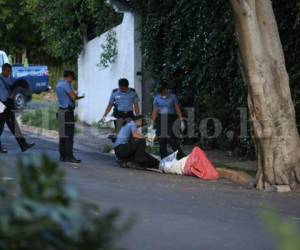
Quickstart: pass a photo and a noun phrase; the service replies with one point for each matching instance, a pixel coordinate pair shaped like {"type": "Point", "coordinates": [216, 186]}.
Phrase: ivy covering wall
{"type": "Point", "coordinates": [192, 45]}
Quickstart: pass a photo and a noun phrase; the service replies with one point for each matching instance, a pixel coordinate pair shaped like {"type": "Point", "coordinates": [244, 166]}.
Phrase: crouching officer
{"type": "Point", "coordinates": [125, 102]}
{"type": "Point", "coordinates": [131, 145]}
{"type": "Point", "coordinates": [66, 101]}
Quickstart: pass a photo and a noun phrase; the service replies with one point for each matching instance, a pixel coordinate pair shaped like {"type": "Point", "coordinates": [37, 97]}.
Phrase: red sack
{"type": "Point", "coordinates": [198, 165]}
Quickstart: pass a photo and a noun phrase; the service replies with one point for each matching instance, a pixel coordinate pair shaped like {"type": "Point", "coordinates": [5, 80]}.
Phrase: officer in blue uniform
{"type": "Point", "coordinates": [165, 112]}
{"type": "Point", "coordinates": [66, 119]}
{"type": "Point", "coordinates": [125, 102]}
{"type": "Point", "coordinates": [131, 145]}
{"type": "Point", "coordinates": [8, 116]}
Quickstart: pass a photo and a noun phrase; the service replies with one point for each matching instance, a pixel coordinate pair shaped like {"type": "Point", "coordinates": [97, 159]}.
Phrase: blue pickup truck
{"type": "Point", "coordinates": [26, 81]}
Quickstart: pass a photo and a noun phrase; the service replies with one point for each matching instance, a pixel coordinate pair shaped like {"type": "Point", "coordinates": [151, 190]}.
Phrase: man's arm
{"type": "Point", "coordinates": [110, 105]}
{"type": "Point", "coordinates": [108, 109]}
{"type": "Point", "coordinates": [136, 109]}
{"type": "Point", "coordinates": [136, 101]}
{"type": "Point", "coordinates": [136, 135]}
{"type": "Point", "coordinates": [178, 111]}
{"type": "Point", "coordinates": [155, 111]}
{"type": "Point", "coordinates": [154, 115]}
{"type": "Point", "coordinates": [73, 96]}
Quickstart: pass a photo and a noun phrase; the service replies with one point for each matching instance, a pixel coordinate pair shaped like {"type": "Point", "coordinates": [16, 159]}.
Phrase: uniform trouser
{"type": "Point", "coordinates": [122, 117]}
{"type": "Point", "coordinates": [166, 132]}
{"type": "Point", "coordinates": [135, 151]}
{"type": "Point", "coordinates": [9, 117]}
{"type": "Point", "coordinates": [66, 120]}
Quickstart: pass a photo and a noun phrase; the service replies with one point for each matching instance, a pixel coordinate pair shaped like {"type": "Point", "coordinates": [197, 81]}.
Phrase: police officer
{"type": "Point", "coordinates": [165, 109]}
{"type": "Point", "coordinates": [8, 116]}
{"type": "Point", "coordinates": [66, 119]}
{"type": "Point", "coordinates": [125, 102]}
{"type": "Point", "coordinates": [131, 145]}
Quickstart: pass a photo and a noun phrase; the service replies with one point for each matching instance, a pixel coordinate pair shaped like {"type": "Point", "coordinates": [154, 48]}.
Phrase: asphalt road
{"type": "Point", "coordinates": [172, 212]}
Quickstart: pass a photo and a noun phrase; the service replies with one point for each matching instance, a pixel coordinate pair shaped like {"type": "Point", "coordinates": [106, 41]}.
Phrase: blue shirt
{"type": "Point", "coordinates": [125, 134]}
{"type": "Point", "coordinates": [124, 101]}
{"type": "Point", "coordinates": [63, 89]}
{"type": "Point", "coordinates": [166, 104]}
{"type": "Point", "coordinates": [5, 91]}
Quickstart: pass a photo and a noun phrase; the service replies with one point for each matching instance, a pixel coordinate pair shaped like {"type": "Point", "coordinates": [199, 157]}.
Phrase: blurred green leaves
{"type": "Point", "coordinates": [42, 212]}
{"type": "Point", "coordinates": [286, 231]}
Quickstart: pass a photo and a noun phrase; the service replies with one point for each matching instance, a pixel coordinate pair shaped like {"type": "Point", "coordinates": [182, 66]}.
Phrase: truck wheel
{"type": "Point", "coordinates": [20, 98]}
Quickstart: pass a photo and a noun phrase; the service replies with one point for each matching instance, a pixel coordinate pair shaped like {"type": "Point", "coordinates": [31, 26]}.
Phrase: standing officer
{"type": "Point", "coordinates": [8, 116]}
{"type": "Point", "coordinates": [66, 119]}
{"type": "Point", "coordinates": [165, 108]}
{"type": "Point", "coordinates": [125, 102]}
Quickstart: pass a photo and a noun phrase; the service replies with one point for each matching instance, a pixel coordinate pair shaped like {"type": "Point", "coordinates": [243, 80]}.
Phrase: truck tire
{"type": "Point", "coordinates": [20, 98]}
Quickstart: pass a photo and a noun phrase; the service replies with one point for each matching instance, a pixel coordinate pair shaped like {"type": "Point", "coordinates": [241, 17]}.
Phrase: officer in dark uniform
{"type": "Point", "coordinates": [66, 101]}
{"type": "Point", "coordinates": [8, 116]}
{"type": "Point", "coordinates": [125, 102]}
{"type": "Point", "coordinates": [166, 110]}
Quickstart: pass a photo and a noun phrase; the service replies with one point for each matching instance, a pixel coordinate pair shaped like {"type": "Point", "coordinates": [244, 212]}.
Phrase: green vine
{"type": "Point", "coordinates": [109, 50]}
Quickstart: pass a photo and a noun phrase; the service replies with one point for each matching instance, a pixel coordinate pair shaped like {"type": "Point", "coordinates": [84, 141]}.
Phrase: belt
{"type": "Point", "coordinates": [124, 112]}
{"type": "Point", "coordinates": [68, 108]}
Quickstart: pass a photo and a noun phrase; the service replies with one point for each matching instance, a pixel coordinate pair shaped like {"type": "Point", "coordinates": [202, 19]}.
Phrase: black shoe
{"type": "Point", "coordinates": [62, 158]}
{"type": "Point", "coordinates": [28, 146]}
{"type": "Point", "coordinates": [3, 151]}
{"type": "Point", "coordinates": [73, 160]}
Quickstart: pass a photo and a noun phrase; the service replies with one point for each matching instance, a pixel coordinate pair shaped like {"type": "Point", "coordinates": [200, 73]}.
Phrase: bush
{"type": "Point", "coordinates": [45, 213]}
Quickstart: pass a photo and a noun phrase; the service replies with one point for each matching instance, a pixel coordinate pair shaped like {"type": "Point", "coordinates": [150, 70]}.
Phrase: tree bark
{"type": "Point", "coordinates": [269, 97]}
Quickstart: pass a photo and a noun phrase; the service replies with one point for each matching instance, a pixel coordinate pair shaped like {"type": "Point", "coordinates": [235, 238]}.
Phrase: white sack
{"type": "Point", "coordinates": [177, 167]}
{"type": "Point", "coordinates": [168, 161]}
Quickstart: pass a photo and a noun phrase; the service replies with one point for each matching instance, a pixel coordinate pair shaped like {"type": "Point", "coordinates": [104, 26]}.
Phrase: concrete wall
{"type": "Point", "coordinates": [97, 84]}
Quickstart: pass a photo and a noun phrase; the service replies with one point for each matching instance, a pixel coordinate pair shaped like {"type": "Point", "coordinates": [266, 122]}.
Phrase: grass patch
{"type": "Point", "coordinates": [37, 97]}
{"type": "Point", "coordinates": [42, 118]}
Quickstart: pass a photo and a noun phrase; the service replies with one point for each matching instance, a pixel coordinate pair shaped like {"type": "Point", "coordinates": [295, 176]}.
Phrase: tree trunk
{"type": "Point", "coordinates": [269, 98]}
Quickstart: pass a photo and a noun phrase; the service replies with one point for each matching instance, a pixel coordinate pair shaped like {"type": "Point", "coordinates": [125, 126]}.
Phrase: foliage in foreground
{"type": "Point", "coordinates": [42, 212]}
{"type": "Point", "coordinates": [286, 232]}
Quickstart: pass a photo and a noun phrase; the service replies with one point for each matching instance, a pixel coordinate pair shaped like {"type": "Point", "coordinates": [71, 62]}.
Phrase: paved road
{"type": "Point", "coordinates": [172, 212]}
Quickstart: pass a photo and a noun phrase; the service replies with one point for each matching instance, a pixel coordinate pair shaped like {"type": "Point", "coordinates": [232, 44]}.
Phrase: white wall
{"type": "Point", "coordinates": [98, 84]}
